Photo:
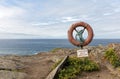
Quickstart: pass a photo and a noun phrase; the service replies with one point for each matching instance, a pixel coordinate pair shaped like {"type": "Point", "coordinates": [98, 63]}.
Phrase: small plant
{"type": "Point", "coordinates": [75, 66]}
{"type": "Point", "coordinates": [55, 50]}
{"type": "Point", "coordinates": [71, 69]}
{"type": "Point", "coordinates": [89, 65]}
{"type": "Point", "coordinates": [112, 57]}
{"type": "Point", "coordinates": [68, 73]}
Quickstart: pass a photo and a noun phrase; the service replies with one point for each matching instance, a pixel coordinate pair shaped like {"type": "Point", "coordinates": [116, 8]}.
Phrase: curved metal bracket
{"type": "Point", "coordinates": [79, 35]}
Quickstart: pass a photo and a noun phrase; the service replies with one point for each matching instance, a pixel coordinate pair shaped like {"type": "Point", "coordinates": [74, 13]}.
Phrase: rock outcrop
{"type": "Point", "coordinates": [11, 69]}
{"type": "Point", "coordinates": [39, 66]}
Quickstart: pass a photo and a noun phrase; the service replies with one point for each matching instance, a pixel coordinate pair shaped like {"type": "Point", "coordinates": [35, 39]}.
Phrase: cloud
{"type": "Point", "coordinates": [69, 19]}
{"type": "Point", "coordinates": [44, 23]}
{"type": "Point", "coordinates": [64, 19]}
{"type": "Point", "coordinates": [7, 12]}
{"type": "Point", "coordinates": [107, 14]}
{"type": "Point", "coordinates": [48, 19]}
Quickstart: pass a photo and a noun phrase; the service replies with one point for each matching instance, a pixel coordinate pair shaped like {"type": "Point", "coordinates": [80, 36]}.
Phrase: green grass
{"type": "Point", "coordinates": [75, 66]}
{"type": "Point", "coordinates": [112, 57]}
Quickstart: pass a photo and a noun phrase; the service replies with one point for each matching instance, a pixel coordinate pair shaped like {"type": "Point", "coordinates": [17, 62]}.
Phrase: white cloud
{"type": "Point", "coordinates": [69, 19]}
{"type": "Point", "coordinates": [44, 23]}
{"type": "Point", "coordinates": [117, 10]}
{"type": "Point", "coordinates": [107, 14]}
{"type": "Point", "coordinates": [48, 19]}
{"type": "Point", "coordinates": [7, 12]}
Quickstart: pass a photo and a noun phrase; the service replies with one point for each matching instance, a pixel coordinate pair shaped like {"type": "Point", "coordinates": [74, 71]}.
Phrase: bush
{"type": "Point", "coordinates": [112, 57]}
{"type": "Point", "coordinates": [75, 65]}
{"type": "Point", "coordinates": [89, 65]}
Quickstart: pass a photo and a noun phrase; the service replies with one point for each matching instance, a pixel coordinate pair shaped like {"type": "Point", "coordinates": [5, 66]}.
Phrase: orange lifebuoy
{"type": "Point", "coordinates": [87, 40]}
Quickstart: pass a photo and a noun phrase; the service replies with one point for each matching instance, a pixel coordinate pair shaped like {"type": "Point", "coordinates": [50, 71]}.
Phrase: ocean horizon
{"type": "Point", "coordinates": [34, 46]}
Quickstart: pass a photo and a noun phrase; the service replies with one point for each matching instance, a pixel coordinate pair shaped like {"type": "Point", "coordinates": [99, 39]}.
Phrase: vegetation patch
{"type": "Point", "coordinates": [112, 57]}
{"type": "Point", "coordinates": [55, 50]}
{"type": "Point", "coordinates": [75, 66]}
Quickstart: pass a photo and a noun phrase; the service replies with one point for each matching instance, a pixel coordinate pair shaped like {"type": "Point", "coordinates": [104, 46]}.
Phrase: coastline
{"type": "Point", "coordinates": [38, 66]}
{"type": "Point", "coordinates": [32, 46]}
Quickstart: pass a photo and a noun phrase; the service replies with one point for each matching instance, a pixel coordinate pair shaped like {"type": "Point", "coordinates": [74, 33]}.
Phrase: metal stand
{"type": "Point", "coordinates": [81, 46]}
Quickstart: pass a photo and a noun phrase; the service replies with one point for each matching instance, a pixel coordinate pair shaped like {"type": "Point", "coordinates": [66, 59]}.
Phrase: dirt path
{"type": "Point", "coordinates": [39, 66]}
{"type": "Point", "coordinates": [38, 69]}
{"type": "Point", "coordinates": [104, 73]}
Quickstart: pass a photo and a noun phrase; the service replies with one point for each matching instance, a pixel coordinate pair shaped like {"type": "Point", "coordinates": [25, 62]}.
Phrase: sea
{"type": "Point", "coordinates": [34, 46]}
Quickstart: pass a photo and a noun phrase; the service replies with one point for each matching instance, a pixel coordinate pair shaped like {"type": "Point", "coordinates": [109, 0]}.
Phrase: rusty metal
{"type": "Point", "coordinates": [87, 40]}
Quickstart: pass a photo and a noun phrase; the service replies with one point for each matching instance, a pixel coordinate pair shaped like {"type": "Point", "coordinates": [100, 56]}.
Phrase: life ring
{"type": "Point", "coordinates": [87, 40]}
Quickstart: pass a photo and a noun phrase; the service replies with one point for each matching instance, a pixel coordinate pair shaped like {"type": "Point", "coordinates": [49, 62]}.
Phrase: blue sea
{"type": "Point", "coordinates": [33, 46]}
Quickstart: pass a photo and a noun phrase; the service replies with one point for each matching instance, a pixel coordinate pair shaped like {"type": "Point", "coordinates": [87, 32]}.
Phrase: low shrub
{"type": "Point", "coordinates": [112, 57]}
{"type": "Point", "coordinates": [75, 66]}
{"type": "Point", "coordinates": [89, 65]}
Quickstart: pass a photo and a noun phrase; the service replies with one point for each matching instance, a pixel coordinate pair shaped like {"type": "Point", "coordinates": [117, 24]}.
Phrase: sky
{"type": "Point", "coordinates": [41, 19]}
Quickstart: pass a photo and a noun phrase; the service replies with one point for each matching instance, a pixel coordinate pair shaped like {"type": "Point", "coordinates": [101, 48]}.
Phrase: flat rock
{"type": "Point", "coordinates": [9, 64]}
{"type": "Point", "coordinates": [11, 75]}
